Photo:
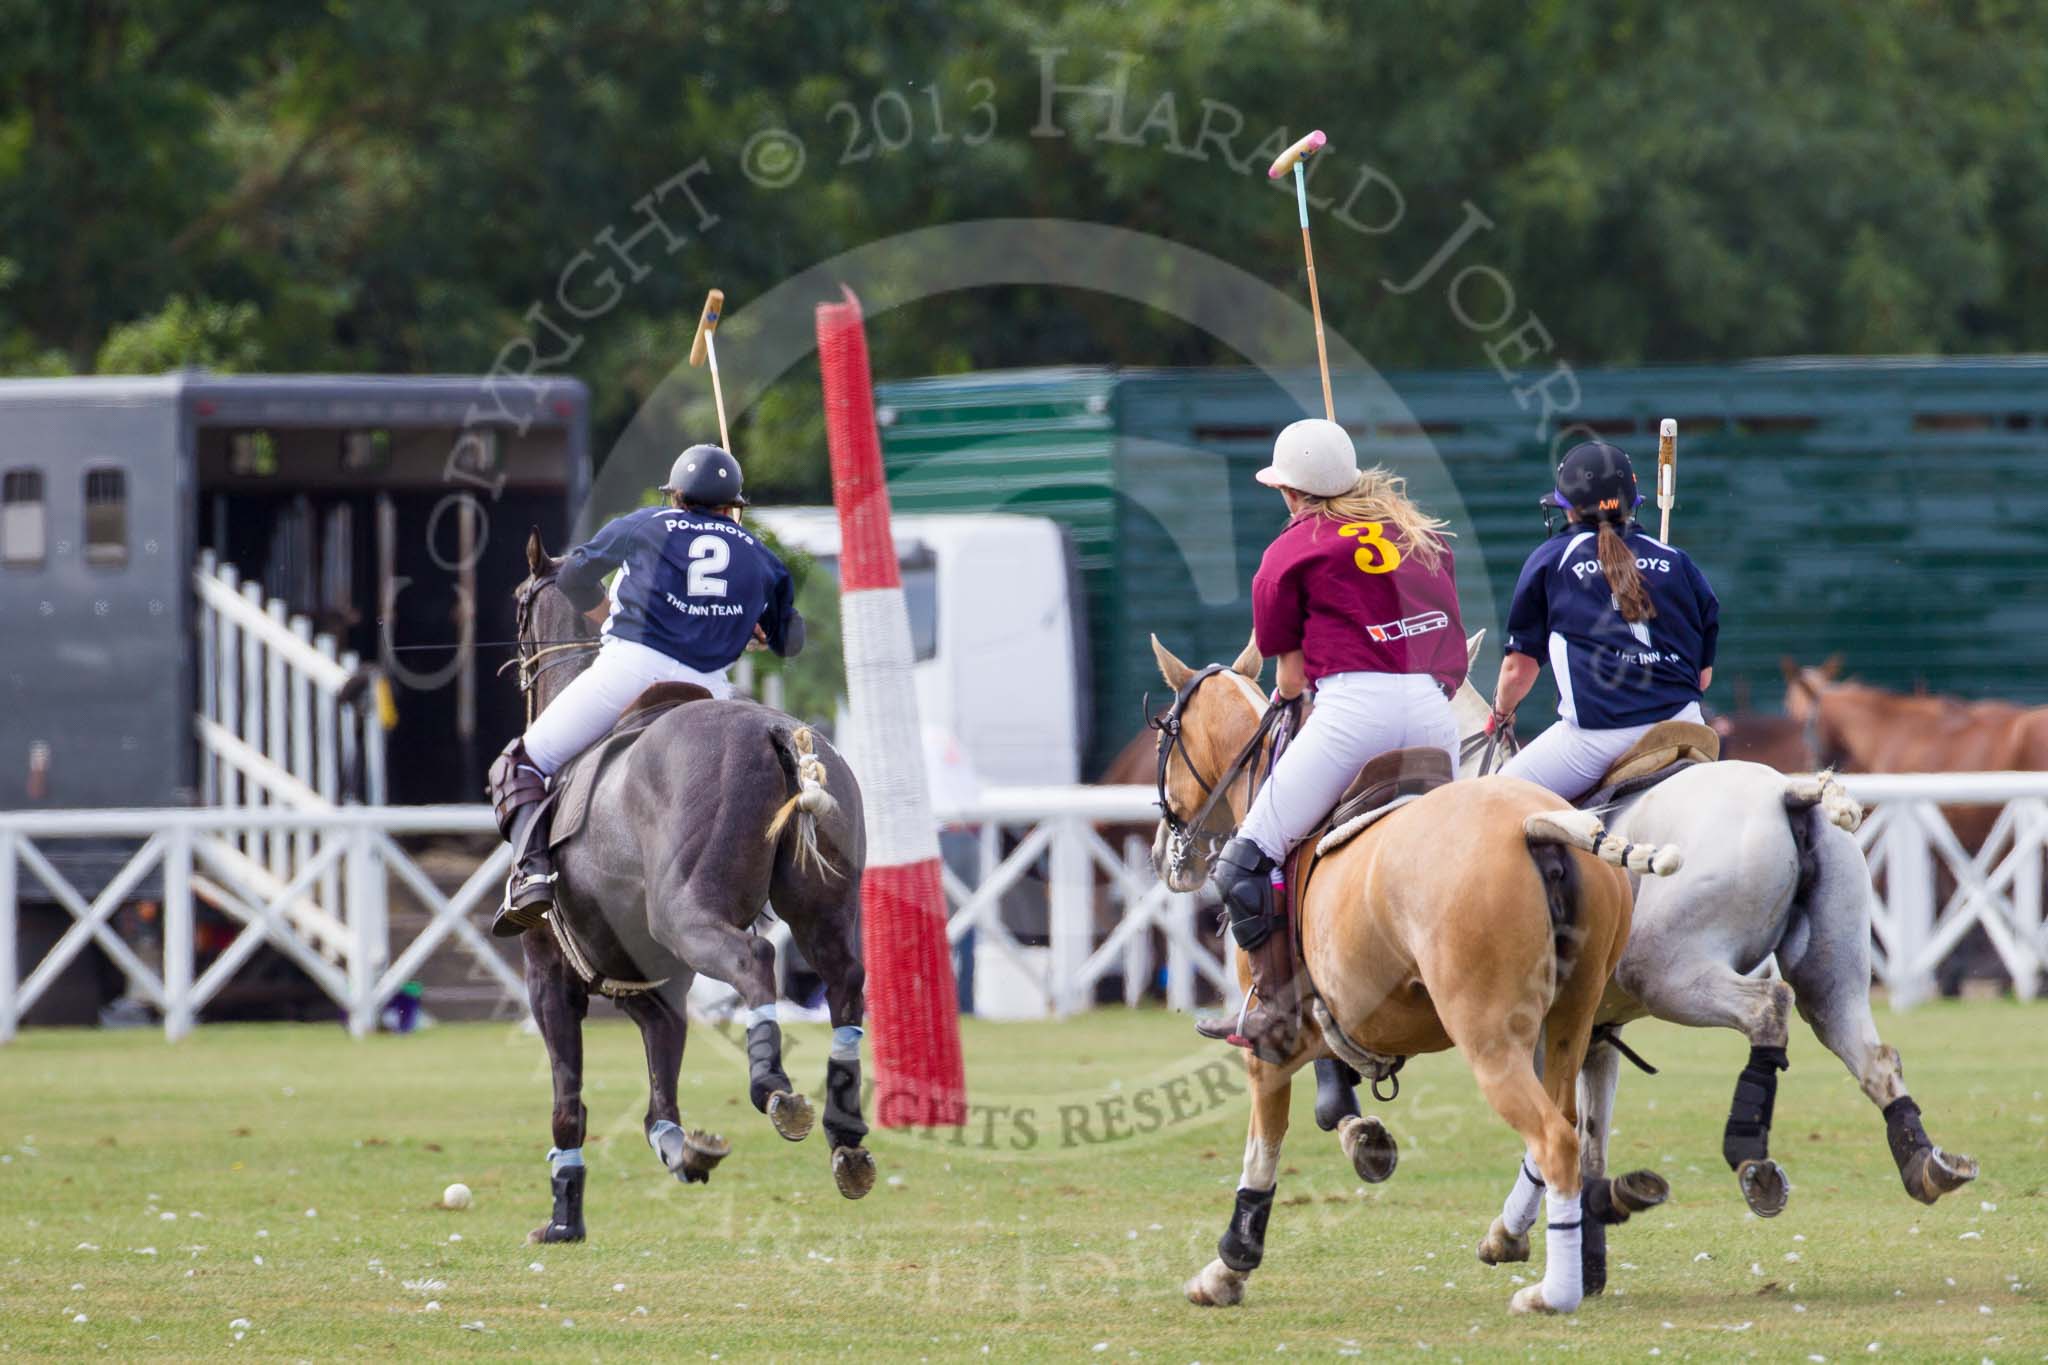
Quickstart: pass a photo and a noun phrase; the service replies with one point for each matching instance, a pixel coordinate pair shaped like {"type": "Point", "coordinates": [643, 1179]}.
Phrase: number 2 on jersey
{"type": "Point", "coordinates": [1375, 553]}
{"type": "Point", "coordinates": [708, 557]}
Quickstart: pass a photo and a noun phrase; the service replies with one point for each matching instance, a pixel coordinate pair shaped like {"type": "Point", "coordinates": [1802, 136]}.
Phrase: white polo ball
{"type": "Point", "coordinates": [456, 1196]}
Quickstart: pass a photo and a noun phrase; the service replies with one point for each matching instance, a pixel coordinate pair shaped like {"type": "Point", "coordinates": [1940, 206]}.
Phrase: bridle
{"type": "Point", "coordinates": [533, 657]}
{"type": "Point", "coordinates": [1197, 835]}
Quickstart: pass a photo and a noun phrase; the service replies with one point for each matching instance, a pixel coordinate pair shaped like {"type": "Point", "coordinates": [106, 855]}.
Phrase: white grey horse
{"type": "Point", "coordinates": [1772, 871]}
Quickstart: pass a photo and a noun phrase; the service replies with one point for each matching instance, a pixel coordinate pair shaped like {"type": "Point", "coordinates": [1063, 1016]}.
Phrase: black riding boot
{"type": "Point", "coordinates": [517, 789]}
{"type": "Point", "coordinates": [1271, 1026]}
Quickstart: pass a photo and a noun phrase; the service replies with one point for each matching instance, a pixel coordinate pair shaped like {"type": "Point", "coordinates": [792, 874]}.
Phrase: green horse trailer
{"type": "Point", "coordinates": [1894, 511]}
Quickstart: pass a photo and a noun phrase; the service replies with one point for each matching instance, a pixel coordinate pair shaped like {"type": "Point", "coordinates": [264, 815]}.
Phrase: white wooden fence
{"type": "Point", "coordinates": [1104, 905]}
{"type": "Point", "coordinates": [275, 733]}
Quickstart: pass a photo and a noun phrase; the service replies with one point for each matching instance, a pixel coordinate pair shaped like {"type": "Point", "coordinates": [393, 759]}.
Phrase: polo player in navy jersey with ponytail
{"type": "Point", "coordinates": [1627, 623]}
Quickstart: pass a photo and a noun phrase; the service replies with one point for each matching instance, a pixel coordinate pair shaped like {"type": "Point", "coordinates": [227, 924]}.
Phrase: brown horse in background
{"type": "Point", "coordinates": [1477, 916]}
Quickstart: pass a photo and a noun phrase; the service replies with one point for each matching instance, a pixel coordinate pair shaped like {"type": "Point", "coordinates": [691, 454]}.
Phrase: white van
{"type": "Point", "coordinates": [1000, 670]}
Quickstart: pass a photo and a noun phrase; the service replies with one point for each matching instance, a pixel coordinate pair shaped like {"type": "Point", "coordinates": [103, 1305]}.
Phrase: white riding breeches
{"type": "Point", "coordinates": [1357, 717]}
{"type": "Point", "coordinates": [590, 705]}
{"type": "Point", "coordinates": [1571, 761]}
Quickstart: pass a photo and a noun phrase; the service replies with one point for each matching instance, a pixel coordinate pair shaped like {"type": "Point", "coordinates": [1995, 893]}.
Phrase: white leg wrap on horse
{"type": "Point", "coordinates": [558, 1158]}
{"type": "Point", "coordinates": [1519, 1213]}
{"type": "Point", "coordinates": [846, 1043]}
{"type": "Point", "coordinates": [759, 1014]}
{"type": "Point", "coordinates": [1563, 1282]}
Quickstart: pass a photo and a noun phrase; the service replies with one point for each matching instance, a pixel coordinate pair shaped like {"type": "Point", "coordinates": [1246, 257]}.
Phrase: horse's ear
{"type": "Point", "coordinates": [1173, 670]}
{"type": "Point", "coordinates": [1788, 667]}
{"type": "Point", "coordinates": [1472, 643]}
{"type": "Point", "coordinates": [1832, 668]}
{"type": "Point", "coordinates": [536, 552]}
{"type": "Point", "coordinates": [1250, 661]}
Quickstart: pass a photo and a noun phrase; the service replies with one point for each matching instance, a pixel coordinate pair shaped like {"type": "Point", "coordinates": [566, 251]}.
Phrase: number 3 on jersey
{"type": "Point", "coordinates": [1375, 554]}
{"type": "Point", "coordinates": [708, 557]}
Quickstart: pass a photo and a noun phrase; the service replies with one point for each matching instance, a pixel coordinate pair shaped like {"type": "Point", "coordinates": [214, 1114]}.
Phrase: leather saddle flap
{"type": "Point", "coordinates": [574, 785]}
{"type": "Point", "coordinates": [1664, 745]}
{"type": "Point", "coordinates": [1399, 772]}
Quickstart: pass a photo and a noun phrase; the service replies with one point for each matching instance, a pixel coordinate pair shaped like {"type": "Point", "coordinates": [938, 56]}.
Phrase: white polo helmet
{"type": "Point", "coordinates": [1315, 456]}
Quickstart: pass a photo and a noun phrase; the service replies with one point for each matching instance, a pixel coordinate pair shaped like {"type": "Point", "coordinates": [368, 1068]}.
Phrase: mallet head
{"type": "Point", "coordinates": [1308, 146]}
{"type": "Point", "coordinates": [707, 323]}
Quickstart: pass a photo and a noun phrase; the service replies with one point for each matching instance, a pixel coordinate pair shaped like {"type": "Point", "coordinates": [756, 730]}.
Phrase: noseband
{"type": "Point", "coordinates": [1195, 835]}
{"type": "Point", "coordinates": [534, 658]}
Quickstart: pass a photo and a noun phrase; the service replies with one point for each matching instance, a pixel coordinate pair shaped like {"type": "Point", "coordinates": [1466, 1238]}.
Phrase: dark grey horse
{"type": "Point", "coordinates": [718, 808]}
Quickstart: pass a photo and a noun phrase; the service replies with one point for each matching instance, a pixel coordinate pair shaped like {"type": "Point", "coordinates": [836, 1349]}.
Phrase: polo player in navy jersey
{"type": "Point", "coordinates": [693, 590]}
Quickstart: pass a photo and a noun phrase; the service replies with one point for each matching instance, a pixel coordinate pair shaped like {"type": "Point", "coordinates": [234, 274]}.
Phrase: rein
{"type": "Point", "coordinates": [1194, 834]}
{"type": "Point", "coordinates": [535, 657]}
{"type": "Point", "coordinates": [1494, 749]}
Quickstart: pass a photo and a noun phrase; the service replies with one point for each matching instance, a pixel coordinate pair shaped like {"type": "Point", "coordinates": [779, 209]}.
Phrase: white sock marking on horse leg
{"type": "Point", "coordinates": [1519, 1213]}
{"type": "Point", "coordinates": [846, 1043]}
{"type": "Point", "coordinates": [1563, 1283]}
{"type": "Point", "coordinates": [1261, 1164]}
{"type": "Point", "coordinates": [759, 1014]}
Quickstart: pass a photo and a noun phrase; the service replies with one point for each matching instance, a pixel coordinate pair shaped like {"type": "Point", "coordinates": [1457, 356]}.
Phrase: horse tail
{"type": "Point", "coordinates": [1838, 807]}
{"type": "Point", "coordinates": [810, 800]}
{"type": "Point", "coordinates": [1581, 829]}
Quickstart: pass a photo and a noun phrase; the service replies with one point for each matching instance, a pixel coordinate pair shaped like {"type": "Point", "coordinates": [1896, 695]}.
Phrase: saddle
{"type": "Point", "coordinates": [1664, 750]}
{"type": "Point", "coordinates": [568, 801]}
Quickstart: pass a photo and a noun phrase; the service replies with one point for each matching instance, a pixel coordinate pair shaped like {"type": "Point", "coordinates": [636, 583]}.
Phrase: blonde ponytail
{"type": "Point", "coordinates": [1379, 494]}
{"type": "Point", "coordinates": [1618, 563]}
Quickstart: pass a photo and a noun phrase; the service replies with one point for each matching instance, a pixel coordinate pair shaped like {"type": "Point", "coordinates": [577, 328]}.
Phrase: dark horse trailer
{"type": "Point", "coordinates": [383, 510]}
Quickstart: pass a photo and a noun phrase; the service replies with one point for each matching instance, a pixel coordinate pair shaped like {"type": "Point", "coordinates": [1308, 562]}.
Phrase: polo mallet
{"type": "Point", "coordinates": [1667, 476]}
{"type": "Point", "coordinates": [1292, 158]}
{"type": "Point", "coordinates": [705, 350]}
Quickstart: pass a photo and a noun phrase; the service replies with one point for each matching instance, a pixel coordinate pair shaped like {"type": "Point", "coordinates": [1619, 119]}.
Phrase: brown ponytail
{"type": "Point", "coordinates": [1618, 562]}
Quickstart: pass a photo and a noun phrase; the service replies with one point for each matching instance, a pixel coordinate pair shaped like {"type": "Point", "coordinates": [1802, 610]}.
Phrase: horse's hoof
{"type": "Point", "coordinates": [1216, 1286]}
{"type": "Point", "coordinates": [1499, 1246]}
{"type": "Point", "coordinates": [853, 1170]}
{"type": "Point", "coordinates": [1531, 1300]}
{"type": "Point", "coordinates": [1765, 1187]}
{"type": "Point", "coordinates": [791, 1114]}
{"type": "Point", "coordinates": [1638, 1190]}
{"type": "Point", "coordinates": [701, 1154]}
{"type": "Point", "coordinates": [1372, 1149]}
{"type": "Point", "coordinates": [556, 1232]}
{"type": "Point", "coordinates": [1931, 1173]}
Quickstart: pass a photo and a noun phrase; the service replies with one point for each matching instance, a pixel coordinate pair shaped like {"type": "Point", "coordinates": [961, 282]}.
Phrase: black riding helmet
{"type": "Point", "coordinates": [706, 476]}
{"type": "Point", "coordinates": [1596, 480]}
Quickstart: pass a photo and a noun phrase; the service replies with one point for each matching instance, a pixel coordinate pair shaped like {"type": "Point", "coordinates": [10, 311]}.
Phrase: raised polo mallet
{"type": "Point", "coordinates": [705, 350]}
{"type": "Point", "coordinates": [1292, 158]}
{"type": "Point", "coordinates": [1667, 476]}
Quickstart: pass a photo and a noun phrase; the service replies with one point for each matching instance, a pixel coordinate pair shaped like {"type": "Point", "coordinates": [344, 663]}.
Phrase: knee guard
{"type": "Point", "coordinates": [514, 784]}
{"type": "Point", "coordinates": [1244, 878]}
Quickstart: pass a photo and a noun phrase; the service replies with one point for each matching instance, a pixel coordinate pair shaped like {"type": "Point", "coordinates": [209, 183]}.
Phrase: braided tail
{"type": "Point", "coordinates": [810, 801]}
{"type": "Point", "coordinates": [1581, 829]}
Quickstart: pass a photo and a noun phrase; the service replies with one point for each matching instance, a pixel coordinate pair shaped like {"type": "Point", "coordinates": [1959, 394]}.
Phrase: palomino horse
{"type": "Point", "coordinates": [1474, 917]}
{"type": "Point", "coordinates": [1771, 870]}
{"type": "Point", "coordinates": [716, 808]}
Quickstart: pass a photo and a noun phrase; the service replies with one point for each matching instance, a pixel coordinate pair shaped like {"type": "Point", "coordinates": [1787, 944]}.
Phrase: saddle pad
{"type": "Point", "coordinates": [1671, 742]}
{"type": "Point", "coordinates": [1396, 773]}
{"type": "Point", "coordinates": [1350, 829]}
{"type": "Point", "coordinates": [575, 783]}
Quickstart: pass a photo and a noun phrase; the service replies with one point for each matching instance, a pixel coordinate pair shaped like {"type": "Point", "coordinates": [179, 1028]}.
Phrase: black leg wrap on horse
{"type": "Point", "coordinates": [1748, 1136]}
{"type": "Point", "coordinates": [1243, 1244]}
{"type": "Point", "coordinates": [1902, 1131]}
{"type": "Point", "coordinates": [1593, 1249]}
{"type": "Point", "coordinates": [843, 1123]}
{"type": "Point", "coordinates": [1336, 1093]}
{"type": "Point", "coordinates": [764, 1063]}
{"type": "Point", "coordinates": [1244, 878]}
{"type": "Point", "coordinates": [567, 1223]}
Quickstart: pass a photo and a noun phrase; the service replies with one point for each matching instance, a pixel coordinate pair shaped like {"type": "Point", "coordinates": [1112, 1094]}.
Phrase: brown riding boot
{"type": "Point", "coordinates": [1271, 1022]}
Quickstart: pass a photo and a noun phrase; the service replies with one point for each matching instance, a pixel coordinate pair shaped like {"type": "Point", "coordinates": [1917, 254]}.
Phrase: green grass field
{"type": "Point", "coordinates": [273, 1189]}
